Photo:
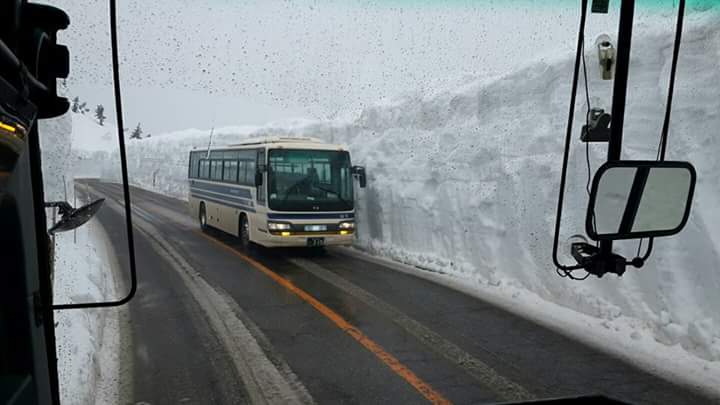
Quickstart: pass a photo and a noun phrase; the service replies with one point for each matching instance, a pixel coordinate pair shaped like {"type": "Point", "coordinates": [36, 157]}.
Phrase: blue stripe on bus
{"type": "Point", "coordinates": [239, 200]}
{"type": "Point", "coordinates": [227, 198]}
{"type": "Point", "coordinates": [311, 216]}
{"type": "Point", "coordinates": [242, 192]}
{"type": "Point", "coordinates": [228, 203]}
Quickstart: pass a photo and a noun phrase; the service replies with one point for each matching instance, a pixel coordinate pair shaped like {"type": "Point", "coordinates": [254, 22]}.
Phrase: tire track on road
{"type": "Point", "coordinates": [483, 373]}
{"type": "Point", "coordinates": [266, 381]}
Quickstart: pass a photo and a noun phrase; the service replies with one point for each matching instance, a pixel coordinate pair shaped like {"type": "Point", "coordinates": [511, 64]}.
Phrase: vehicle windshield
{"type": "Point", "coordinates": [309, 180]}
{"type": "Point", "coordinates": [423, 260]}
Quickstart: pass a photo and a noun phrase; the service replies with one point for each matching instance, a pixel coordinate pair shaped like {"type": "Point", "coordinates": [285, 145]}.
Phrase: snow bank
{"type": "Point", "coordinates": [465, 183]}
{"type": "Point", "coordinates": [82, 273]}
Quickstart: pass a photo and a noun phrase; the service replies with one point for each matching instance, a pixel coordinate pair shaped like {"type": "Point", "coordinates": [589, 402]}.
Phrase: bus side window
{"type": "Point", "coordinates": [250, 173]}
{"type": "Point", "coordinates": [204, 169]}
{"type": "Point", "coordinates": [246, 157]}
{"type": "Point", "coordinates": [216, 170]}
{"type": "Point", "coordinates": [194, 165]}
{"type": "Point", "coordinates": [230, 171]}
{"type": "Point", "coordinates": [242, 175]}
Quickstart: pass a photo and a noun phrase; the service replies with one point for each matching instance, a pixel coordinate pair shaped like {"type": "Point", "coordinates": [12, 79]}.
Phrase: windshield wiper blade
{"type": "Point", "coordinates": [344, 201]}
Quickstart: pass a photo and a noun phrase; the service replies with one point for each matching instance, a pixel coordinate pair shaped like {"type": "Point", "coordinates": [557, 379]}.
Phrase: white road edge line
{"type": "Point", "coordinates": [265, 383]}
{"type": "Point", "coordinates": [480, 371]}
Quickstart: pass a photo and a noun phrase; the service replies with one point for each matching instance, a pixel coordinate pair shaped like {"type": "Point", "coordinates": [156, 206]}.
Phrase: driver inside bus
{"type": "Point", "coordinates": [311, 180]}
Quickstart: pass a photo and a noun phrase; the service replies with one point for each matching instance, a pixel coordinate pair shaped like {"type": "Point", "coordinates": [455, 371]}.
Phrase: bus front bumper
{"type": "Point", "coordinates": [306, 240]}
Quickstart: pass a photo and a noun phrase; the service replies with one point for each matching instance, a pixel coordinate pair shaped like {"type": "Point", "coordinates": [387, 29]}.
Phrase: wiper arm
{"type": "Point", "coordinates": [344, 201]}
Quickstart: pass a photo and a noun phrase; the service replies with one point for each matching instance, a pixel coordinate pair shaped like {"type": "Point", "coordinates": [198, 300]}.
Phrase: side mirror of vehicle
{"type": "Point", "coordinates": [639, 199]}
{"type": "Point", "coordinates": [258, 178]}
{"type": "Point", "coordinates": [72, 218]}
{"type": "Point", "coordinates": [359, 172]}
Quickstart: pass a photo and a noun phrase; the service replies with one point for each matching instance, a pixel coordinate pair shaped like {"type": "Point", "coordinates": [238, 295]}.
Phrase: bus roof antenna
{"type": "Point", "coordinates": [212, 129]}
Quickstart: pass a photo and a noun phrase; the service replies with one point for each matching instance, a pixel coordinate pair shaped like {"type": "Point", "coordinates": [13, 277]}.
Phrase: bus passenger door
{"type": "Point", "coordinates": [262, 169]}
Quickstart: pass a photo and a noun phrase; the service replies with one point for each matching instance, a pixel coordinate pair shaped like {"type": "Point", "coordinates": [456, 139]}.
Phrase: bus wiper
{"type": "Point", "coordinates": [347, 204]}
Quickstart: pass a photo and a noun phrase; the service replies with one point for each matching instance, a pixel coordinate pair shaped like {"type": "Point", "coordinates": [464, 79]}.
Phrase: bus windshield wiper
{"type": "Point", "coordinates": [344, 201]}
{"type": "Point", "coordinates": [296, 184]}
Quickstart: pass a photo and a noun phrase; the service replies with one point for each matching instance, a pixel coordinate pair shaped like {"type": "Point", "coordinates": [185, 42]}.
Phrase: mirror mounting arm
{"type": "Point", "coordinates": [63, 207]}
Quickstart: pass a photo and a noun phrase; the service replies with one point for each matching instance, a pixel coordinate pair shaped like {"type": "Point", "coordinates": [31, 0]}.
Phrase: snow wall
{"type": "Point", "coordinates": [466, 182]}
{"type": "Point", "coordinates": [86, 340]}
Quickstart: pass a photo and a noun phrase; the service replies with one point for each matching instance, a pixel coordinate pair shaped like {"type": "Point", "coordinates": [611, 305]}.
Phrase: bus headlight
{"type": "Point", "coordinates": [347, 225]}
{"type": "Point", "coordinates": [278, 226]}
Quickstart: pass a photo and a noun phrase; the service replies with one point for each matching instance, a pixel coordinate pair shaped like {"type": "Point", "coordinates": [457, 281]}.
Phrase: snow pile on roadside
{"type": "Point", "coordinates": [465, 183]}
{"type": "Point", "coordinates": [82, 273]}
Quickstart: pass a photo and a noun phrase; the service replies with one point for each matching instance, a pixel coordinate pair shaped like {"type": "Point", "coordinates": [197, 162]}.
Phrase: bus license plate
{"type": "Point", "coordinates": [315, 228]}
{"type": "Point", "coordinates": [316, 242]}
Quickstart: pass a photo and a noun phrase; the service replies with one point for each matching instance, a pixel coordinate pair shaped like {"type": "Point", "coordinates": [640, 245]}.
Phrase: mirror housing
{"type": "Point", "coordinates": [639, 199]}
{"type": "Point", "coordinates": [258, 178]}
{"type": "Point", "coordinates": [72, 218]}
{"type": "Point", "coordinates": [359, 172]}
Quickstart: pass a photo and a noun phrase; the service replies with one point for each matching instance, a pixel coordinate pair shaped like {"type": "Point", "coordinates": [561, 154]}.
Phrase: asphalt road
{"type": "Point", "coordinates": [212, 323]}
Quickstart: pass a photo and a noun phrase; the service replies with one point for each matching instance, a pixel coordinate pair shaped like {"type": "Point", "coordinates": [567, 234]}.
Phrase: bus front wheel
{"type": "Point", "coordinates": [203, 217]}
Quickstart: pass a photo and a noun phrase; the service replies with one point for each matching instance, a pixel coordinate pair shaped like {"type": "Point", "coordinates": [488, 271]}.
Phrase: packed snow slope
{"type": "Point", "coordinates": [465, 183]}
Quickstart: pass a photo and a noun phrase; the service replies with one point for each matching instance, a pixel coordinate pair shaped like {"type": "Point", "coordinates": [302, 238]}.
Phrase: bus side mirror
{"type": "Point", "coordinates": [639, 199]}
{"type": "Point", "coordinates": [359, 172]}
{"type": "Point", "coordinates": [258, 178]}
{"type": "Point", "coordinates": [72, 218]}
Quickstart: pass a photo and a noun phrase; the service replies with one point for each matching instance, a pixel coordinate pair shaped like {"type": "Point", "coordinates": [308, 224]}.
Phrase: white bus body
{"type": "Point", "coordinates": [287, 191]}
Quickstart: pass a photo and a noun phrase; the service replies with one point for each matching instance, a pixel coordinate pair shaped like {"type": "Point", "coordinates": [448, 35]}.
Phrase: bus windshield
{"type": "Point", "coordinates": [309, 180]}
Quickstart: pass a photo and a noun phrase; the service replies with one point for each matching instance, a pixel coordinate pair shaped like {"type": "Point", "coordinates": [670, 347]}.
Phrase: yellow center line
{"type": "Point", "coordinates": [421, 386]}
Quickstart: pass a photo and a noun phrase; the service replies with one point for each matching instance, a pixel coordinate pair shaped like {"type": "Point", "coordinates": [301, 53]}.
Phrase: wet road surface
{"type": "Point", "coordinates": [213, 323]}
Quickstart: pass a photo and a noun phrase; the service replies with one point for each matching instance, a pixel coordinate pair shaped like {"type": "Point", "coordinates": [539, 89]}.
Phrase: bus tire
{"type": "Point", "coordinates": [244, 232]}
{"type": "Point", "coordinates": [202, 217]}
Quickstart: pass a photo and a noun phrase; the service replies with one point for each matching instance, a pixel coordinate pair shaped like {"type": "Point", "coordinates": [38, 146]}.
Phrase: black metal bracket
{"type": "Point", "coordinates": [594, 262]}
{"type": "Point", "coordinates": [598, 127]}
{"type": "Point", "coordinates": [64, 208]}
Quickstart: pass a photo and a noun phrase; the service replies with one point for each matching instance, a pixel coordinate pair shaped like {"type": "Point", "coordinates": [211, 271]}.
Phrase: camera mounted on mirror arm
{"type": "Point", "coordinates": [590, 258]}
{"type": "Point", "coordinates": [606, 56]}
{"type": "Point", "coordinates": [633, 199]}
{"type": "Point", "coordinates": [597, 128]}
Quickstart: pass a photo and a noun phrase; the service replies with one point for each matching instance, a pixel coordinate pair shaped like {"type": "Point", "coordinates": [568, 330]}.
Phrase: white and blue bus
{"type": "Point", "coordinates": [276, 191]}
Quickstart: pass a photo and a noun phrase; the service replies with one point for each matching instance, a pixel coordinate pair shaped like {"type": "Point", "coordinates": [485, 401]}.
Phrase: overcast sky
{"type": "Point", "coordinates": [224, 62]}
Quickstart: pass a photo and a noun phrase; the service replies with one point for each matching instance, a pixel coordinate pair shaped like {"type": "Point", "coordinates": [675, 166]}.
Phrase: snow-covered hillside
{"type": "Point", "coordinates": [465, 183]}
